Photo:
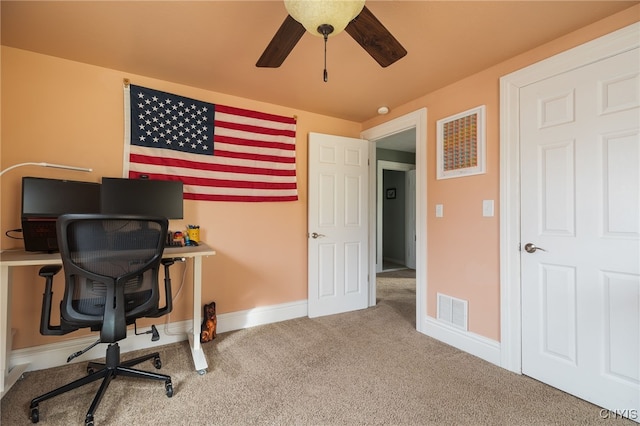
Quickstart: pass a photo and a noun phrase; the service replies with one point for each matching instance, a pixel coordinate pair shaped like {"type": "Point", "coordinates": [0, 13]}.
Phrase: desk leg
{"type": "Point", "coordinates": [197, 353]}
{"type": "Point", "coordinates": [9, 375]}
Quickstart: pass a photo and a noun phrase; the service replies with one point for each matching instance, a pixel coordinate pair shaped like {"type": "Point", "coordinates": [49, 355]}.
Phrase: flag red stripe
{"type": "Point", "coordinates": [253, 156]}
{"type": "Point", "coordinates": [253, 129]}
{"type": "Point", "coordinates": [213, 167]}
{"type": "Point", "coordinates": [217, 183]}
{"type": "Point", "coordinates": [252, 142]}
{"type": "Point", "coordinates": [255, 114]}
{"type": "Point", "coordinates": [246, 198]}
{"type": "Point", "coordinates": [138, 175]}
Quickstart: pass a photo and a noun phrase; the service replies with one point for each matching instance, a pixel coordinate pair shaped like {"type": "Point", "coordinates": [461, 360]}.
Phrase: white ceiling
{"type": "Point", "coordinates": [214, 45]}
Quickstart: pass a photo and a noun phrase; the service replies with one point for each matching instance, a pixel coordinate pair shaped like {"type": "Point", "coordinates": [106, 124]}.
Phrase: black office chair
{"type": "Point", "coordinates": [111, 265]}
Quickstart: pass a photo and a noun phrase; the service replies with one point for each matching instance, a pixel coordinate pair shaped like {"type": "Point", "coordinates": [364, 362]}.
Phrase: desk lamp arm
{"type": "Point", "coordinates": [55, 166]}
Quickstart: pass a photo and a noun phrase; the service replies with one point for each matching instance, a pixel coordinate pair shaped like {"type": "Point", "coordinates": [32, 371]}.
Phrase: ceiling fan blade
{"type": "Point", "coordinates": [369, 33]}
{"type": "Point", "coordinates": [281, 44]}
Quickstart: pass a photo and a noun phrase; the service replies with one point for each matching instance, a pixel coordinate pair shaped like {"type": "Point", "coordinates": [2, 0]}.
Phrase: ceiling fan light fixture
{"type": "Point", "coordinates": [313, 14]}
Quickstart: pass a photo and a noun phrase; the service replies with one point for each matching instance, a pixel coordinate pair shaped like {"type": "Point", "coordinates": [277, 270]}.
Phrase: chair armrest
{"type": "Point", "coordinates": [168, 296]}
{"type": "Point", "coordinates": [48, 272]}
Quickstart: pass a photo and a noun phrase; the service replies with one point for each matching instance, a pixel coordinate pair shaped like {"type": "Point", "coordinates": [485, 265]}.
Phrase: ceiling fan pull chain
{"type": "Point", "coordinates": [325, 30]}
{"type": "Point", "coordinates": [325, 74]}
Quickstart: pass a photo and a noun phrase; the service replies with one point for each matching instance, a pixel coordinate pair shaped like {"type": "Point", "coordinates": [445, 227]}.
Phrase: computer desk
{"type": "Point", "coordinates": [10, 259]}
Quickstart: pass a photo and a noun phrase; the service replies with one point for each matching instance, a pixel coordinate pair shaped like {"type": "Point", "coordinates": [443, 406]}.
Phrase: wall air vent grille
{"type": "Point", "coordinates": [452, 311]}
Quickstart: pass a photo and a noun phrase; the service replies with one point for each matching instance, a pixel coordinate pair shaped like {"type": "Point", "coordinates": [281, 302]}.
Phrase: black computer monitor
{"type": "Point", "coordinates": [142, 196]}
{"type": "Point", "coordinates": [43, 200]}
{"type": "Point", "coordinates": [49, 198]}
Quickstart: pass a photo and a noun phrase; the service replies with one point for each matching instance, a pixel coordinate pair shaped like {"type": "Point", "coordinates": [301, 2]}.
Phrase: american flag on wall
{"type": "Point", "coordinates": [220, 153]}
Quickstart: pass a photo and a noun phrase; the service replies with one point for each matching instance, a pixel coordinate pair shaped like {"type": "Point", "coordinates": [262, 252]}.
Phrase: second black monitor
{"type": "Point", "coordinates": [142, 197]}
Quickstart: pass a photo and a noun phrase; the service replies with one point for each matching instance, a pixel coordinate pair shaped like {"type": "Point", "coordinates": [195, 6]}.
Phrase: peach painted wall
{"type": "Point", "coordinates": [59, 111]}
{"type": "Point", "coordinates": [463, 246]}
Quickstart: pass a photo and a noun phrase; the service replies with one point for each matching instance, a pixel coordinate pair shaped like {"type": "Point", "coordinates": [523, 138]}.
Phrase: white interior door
{"type": "Point", "coordinates": [337, 224]}
{"type": "Point", "coordinates": [580, 205]}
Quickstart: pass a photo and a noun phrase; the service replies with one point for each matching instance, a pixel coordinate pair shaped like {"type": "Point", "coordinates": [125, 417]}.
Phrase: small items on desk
{"type": "Point", "coordinates": [190, 237]}
{"type": "Point", "coordinates": [176, 239]}
{"type": "Point", "coordinates": [173, 240]}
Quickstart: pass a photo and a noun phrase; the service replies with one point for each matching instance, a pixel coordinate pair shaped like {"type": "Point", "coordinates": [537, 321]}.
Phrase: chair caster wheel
{"type": "Point", "coordinates": [88, 421]}
{"type": "Point", "coordinates": [169, 389]}
{"type": "Point", "coordinates": [157, 363]}
{"type": "Point", "coordinates": [202, 372]}
{"type": "Point", "coordinates": [34, 415]}
{"type": "Point", "coordinates": [90, 370]}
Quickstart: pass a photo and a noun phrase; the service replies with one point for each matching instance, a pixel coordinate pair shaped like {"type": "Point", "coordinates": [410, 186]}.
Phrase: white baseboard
{"type": "Point", "coordinates": [261, 315]}
{"type": "Point", "coordinates": [55, 354]}
{"type": "Point", "coordinates": [392, 260]}
{"type": "Point", "coordinates": [486, 349]}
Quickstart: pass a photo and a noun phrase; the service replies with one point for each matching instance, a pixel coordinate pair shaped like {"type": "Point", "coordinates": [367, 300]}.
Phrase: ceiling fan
{"type": "Point", "coordinates": [329, 17]}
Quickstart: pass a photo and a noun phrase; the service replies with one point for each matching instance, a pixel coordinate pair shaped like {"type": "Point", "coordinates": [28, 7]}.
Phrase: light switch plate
{"type": "Point", "coordinates": [439, 210]}
{"type": "Point", "coordinates": [487, 208]}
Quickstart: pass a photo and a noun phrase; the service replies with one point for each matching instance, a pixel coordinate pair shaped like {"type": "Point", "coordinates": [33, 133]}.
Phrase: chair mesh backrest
{"type": "Point", "coordinates": [111, 267]}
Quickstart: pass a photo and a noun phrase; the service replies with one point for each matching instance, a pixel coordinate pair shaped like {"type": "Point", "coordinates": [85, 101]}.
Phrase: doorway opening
{"type": "Point", "coordinates": [410, 128]}
{"type": "Point", "coordinates": [395, 212]}
{"type": "Point", "coordinates": [395, 220]}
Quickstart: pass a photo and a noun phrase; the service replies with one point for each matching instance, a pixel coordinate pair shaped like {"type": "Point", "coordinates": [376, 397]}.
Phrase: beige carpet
{"type": "Point", "coordinates": [361, 368]}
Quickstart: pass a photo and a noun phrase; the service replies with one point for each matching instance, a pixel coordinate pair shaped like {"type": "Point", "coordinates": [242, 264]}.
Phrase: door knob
{"type": "Point", "coordinates": [531, 248]}
{"type": "Point", "coordinates": [315, 235]}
